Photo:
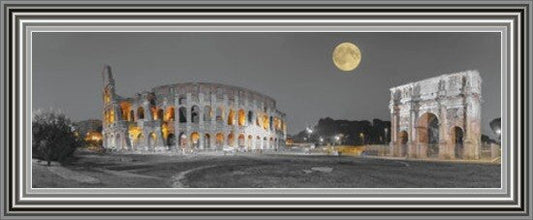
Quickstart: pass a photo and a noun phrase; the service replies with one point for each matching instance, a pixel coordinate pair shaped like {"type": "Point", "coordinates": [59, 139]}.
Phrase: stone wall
{"type": "Point", "coordinates": [191, 116]}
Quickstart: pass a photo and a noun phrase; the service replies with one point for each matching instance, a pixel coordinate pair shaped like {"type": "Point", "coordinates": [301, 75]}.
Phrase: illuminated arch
{"type": "Point", "coordinates": [195, 140]}
{"type": "Point", "coordinates": [242, 117]}
{"type": "Point", "coordinates": [231, 117]}
{"type": "Point", "coordinates": [169, 114]}
{"type": "Point", "coordinates": [125, 108]}
{"type": "Point", "coordinates": [219, 142]}
{"type": "Point", "coordinates": [241, 140]}
{"type": "Point", "coordinates": [231, 139]}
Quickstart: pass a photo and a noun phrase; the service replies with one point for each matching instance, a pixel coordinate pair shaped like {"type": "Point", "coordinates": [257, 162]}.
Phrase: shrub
{"type": "Point", "coordinates": [53, 137]}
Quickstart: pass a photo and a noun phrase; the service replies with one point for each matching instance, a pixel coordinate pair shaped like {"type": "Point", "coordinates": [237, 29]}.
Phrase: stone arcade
{"type": "Point", "coordinates": [438, 117]}
{"type": "Point", "coordinates": [190, 117]}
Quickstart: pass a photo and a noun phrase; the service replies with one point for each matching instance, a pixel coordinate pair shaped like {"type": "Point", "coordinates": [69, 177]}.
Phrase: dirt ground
{"type": "Point", "coordinates": [260, 171]}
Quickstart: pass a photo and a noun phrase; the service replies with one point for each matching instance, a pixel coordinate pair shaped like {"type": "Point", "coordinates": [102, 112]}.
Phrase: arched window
{"type": "Point", "coordinates": [111, 116]}
{"type": "Point", "coordinates": [219, 142]}
{"type": "Point", "coordinates": [220, 114]}
{"type": "Point", "coordinates": [152, 140]}
{"type": "Point", "coordinates": [169, 114]}
{"type": "Point", "coordinates": [265, 122]}
{"type": "Point", "coordinates": [231, 139]}
{"type": "Point", "coordinates": [242, 117]}
{"type": "Point", "coordinates": [207, 113]}
{"type": "Point", "coordinates": [195, 114]}
{"type": "Point", "coordinates": [182, 141]}
{"type": "Point", "coordinates": [195, 140]}
{"type": "Point", "coordinates": [125, 108]}
{"type": "Point", "coordinates": [241, 140]}
{"type": "Point", "coordinates": [250, 117]}
{"type": "Point", "coordinates": [140, 113]}
{"type": "Point", "coordinates": [231, 117]}
{"type": "Point", "coordinates": [183, 114]}
{"type": "Point", "coordinates": [207, 141]}
{"type": "Point", "coordinates": [171, 140]}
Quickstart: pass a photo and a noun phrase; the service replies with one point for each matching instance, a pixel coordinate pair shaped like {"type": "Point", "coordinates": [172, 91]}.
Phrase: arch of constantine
{"type": "Point", "coordinates": [439, 117]}
{"type": "Point", "coordinates": [192, 117]}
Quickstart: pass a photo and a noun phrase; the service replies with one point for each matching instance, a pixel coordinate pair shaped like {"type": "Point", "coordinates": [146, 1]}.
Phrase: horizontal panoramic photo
{"type": "Point", "coordinates": [266, 110]}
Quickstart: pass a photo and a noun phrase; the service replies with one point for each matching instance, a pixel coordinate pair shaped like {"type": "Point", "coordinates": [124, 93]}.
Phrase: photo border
{"type": "Point", "coordinates": [21, 17]}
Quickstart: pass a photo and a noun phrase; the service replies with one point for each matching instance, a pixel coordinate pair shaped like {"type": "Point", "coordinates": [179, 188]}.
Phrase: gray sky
{"type": "Point", "coordinates": [296, 69]}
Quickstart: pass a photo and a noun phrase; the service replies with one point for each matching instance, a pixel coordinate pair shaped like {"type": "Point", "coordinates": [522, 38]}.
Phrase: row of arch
{"type": "Point", "coordinates": [428, 136]}
{"type": "Point", "coordinates": [233, 117]}
{"type": "Point", "coordinates": [219, 140]}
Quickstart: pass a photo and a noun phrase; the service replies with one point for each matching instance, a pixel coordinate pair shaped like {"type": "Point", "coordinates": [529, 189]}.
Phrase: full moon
{"type": "Point", "coordinates": [346, 56]}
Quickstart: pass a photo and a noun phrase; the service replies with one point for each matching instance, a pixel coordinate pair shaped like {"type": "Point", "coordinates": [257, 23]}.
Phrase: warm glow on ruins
{"type": "Point", "coordinates": [199, 116]}
{"type": "Point", "coordinates": [242, 118]}
{"type": "Point", "coordinates": [93, 136]}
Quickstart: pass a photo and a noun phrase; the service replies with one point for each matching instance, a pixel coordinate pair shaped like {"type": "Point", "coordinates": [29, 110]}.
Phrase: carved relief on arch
{"type": "Point", "coordinates": [416, 91]}
{"type": "Point", "coordinates": [396, 95]}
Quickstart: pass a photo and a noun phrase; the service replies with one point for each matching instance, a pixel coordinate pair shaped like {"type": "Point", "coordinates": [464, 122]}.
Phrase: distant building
{"type": "Point", "coordinates": [438, 117]}
{"type": "Point", "coordinates": [89, 130]}
{"type": "Point", "coordinates": [190, 116]}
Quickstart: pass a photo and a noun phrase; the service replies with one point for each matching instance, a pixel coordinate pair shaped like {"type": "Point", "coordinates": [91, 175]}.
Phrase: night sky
{"type": "Point", "coordinates": [295, 69]}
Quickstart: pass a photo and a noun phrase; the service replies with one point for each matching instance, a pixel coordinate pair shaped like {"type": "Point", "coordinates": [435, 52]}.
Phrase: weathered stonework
{"type": "Point", "coordinates": [190, 117]}
{"type": "Point", "coordinates": [437, 117]}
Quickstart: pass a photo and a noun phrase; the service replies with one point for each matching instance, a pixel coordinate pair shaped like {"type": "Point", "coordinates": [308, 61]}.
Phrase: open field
{"type": "Point", "coordinates": [260, 171]}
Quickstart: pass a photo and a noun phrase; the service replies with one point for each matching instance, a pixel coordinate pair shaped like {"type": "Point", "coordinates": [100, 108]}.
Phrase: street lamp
{"type": "Point", "coordinates": [362, 137]}
{"type": "Point", "coordinates": [309, 132]}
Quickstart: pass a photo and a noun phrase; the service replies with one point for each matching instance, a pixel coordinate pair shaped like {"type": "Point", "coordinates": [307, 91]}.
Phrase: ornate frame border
{"type": "Point", "coordinates": [512, 19]}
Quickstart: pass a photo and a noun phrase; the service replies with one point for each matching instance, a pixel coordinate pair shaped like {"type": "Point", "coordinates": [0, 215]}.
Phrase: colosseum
{"type": "Point", "coordinates": [190, 117]}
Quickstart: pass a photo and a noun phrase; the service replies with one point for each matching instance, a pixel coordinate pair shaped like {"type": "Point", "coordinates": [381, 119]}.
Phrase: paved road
{"type": "Point", "coordinates": [273, 171]}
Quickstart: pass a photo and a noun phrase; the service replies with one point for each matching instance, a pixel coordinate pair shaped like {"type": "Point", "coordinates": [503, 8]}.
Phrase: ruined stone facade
{"type": "Point", "coordinates": [438, 117]}
{"type": "Point", "coordinates": [188, 117]}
